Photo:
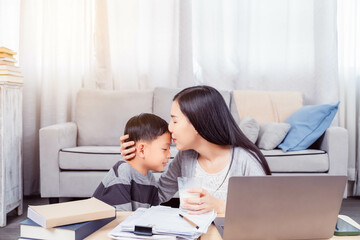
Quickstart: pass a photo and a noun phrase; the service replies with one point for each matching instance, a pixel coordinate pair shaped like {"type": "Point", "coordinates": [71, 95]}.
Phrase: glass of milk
{"type": "Point", "coordinates": [184, 184]}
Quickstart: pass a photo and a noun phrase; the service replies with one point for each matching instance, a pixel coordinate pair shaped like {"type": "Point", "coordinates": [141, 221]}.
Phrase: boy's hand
{"type": "Point", "coordinates": [126, 152]}
{"type": "Point", "coordinates": [205, 203]}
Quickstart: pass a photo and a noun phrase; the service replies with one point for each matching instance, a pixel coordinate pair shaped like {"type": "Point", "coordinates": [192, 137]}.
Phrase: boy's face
{"type": "Point", "coordinates": [157, 153]}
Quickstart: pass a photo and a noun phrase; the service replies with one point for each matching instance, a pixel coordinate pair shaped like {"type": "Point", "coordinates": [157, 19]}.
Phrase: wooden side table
{"type": "Point", "coordinates": [11, 188]}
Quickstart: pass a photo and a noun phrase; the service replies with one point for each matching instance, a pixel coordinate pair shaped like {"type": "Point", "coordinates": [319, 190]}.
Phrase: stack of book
{"type": "Point", "coordinates": [8, 71]}
{"type": "Point", "coordinates": [70, 220]}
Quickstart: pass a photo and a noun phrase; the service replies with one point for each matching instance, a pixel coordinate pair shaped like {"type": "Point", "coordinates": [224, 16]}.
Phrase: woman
{"type": "Point", "coordinates": [211, 146]}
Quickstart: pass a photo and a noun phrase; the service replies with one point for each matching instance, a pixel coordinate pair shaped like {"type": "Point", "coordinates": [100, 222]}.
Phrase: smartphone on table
{"type": "Point", "coordinates": [346, 226]}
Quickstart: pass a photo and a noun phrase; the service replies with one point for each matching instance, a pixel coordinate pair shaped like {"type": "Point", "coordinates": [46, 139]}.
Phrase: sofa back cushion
{"type": "Point", "coordinates": [267, 106]}
{"type": "Point", "coordinates": [163, 98]}
{"type": "Point", "coordinates": [102, 115]}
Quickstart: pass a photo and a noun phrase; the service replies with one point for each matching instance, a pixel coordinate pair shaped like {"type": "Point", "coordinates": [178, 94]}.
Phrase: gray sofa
{"type": "Point", "coordinates": [75, 156]}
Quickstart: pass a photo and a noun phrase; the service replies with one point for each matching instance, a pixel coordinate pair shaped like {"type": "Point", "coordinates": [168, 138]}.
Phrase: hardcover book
{"type": "Point", "coordinates": [6, 50]}
{"type": "Point", "coordinates": [53, 215]}
{"type": "Point", "coordinates": [31, 230]}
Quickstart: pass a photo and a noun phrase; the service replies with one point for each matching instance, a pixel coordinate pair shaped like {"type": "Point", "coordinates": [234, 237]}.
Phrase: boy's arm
{"type": "Point", "coordinates": [115, 189]}
{"type": "Point", "coordinates": [117, 195]}
{"type": "Point", "coordinates": [168, 185]}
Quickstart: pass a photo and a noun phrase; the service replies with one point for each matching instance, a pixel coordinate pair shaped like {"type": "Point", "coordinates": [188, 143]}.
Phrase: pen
{"type": "Point", "coordinates": [189, 221]}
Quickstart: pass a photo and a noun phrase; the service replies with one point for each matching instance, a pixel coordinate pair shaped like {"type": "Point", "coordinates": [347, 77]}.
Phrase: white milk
{"type": "Point", "coordinates": [184, 194]}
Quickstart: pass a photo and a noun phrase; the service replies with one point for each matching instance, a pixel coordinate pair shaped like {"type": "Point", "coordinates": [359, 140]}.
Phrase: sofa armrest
{"type": "Point", "coordinates": [336, 143]}
{"type": "Point", "coordinates": [52, 140]}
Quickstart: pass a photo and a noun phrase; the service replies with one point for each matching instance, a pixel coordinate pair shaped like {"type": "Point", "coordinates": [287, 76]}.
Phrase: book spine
{"type": "Point", "coordinates": [9, 68]}
{"type": "Point", "coordinates": [7, 59]}
{"type": "Point", "coordinates": [4, 63]}
{"type": "Point", "coordinates": [91, 227]}
{"type": "Point", "coordinates": [9, 73]}
{"type": "Point", "coordinates": [34, 216]}
{"type": "Point", "coordinates": [7, 51]}
{"type": "Point", "coordinates": [6, 55]}
{"type": "Point", "coordinates": [23, 238]}
{"type": "Point", "coordinates": [11, 79]}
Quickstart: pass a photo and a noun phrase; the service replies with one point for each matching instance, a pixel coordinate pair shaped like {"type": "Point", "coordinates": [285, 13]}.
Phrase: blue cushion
{"type": "Point", "coordinates": [307, 125]}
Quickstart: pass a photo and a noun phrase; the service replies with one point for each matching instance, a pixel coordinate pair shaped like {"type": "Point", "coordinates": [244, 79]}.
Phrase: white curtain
{"type": "Point", "coordinates": [134, 44]}
{"type": "Point", "coordinates": [66, 45]}
{"type": "Point", "coordinates": [52, 56]}
{"type": "Point", "coordinates": [269, 45]}
{"type": "Point", "coordinates": [349, 74]}
{"type": "Point", "coordinates": [9, 24]}
{"type": "Point", "coordinates": [144, 43]}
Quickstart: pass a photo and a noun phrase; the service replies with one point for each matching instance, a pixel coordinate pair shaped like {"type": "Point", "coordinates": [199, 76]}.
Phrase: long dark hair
{"type": "Point", "coordinates": [208, 113]}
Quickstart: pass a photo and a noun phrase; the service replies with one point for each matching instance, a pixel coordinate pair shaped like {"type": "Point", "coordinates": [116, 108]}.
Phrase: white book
{"type": "Point", "coordinates": [31, 230]}
{"type": "Point", "coordinates": [7, 72]}
{"type": "Point", "coordinates": [12, 79]}
{"type": "Point", "coordinates": [53, 215]}
{"type": "Point", "coordinates": [9, 68]}
{"type": "Point", "coordinates": [8, 59]}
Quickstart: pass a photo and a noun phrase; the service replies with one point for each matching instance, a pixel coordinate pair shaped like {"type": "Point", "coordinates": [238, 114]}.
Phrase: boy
{"type": "Point", "coordinates": [129, 184]}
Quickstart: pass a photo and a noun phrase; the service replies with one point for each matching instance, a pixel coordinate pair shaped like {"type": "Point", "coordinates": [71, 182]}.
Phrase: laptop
{"type": "Point", "coordinates": [282, 207]}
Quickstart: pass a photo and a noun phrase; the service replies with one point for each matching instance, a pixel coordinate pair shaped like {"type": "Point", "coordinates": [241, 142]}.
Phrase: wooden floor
{"type": "Point", "coordinates": [350, 207]}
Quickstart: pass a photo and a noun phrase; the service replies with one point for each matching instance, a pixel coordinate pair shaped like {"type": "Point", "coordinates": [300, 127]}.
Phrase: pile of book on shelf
{"type": "Point", "coordinates": [73, 220]}
{"type": "Point", "coordinates": [8, 71]}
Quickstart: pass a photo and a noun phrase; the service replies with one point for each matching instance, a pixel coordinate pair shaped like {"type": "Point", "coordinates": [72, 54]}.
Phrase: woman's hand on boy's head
{"type": "Point", "coordinates": [126, 152]}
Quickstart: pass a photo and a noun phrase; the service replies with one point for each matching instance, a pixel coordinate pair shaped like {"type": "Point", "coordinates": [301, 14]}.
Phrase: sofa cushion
{"type": "Point", "coordinates": [309, 160]}
{"type": "Point", "coordinates": [94, 157]}
{"type": "Point", "coordinates": [266, 106]}
{"type": "Point", "coordinates": [89, 158]}
{"type": "Point", "coordinates": [163, 98]}
{"type": "Point", "coordinates": [101, 115]}
{"type": "Point", "coordinates": [271, 135]}
{"type": "Point", "coordinates": [233, 109]}
{"type": "Point", "coordinates": [278, 152]}
{"type": "Point", "coordinates": [250, 128]}
{"type": "Point", "coordinates": [307, 125]}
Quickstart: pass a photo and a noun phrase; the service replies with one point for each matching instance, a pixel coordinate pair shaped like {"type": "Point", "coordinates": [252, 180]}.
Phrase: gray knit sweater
{"type": "Point", "coordinates": [127, 189]}
{"type": "Point", "coordinates": [183, 165]}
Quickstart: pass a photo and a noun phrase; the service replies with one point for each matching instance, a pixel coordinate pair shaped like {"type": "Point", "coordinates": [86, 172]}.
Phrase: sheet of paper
{"type": "Point", "coordinates": [166, 221]}
{"type": "Point", "coordinates": [128, 235]}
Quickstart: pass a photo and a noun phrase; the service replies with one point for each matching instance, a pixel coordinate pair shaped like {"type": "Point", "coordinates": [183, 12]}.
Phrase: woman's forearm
{"type": "Point", "coordinates": [167, 184]}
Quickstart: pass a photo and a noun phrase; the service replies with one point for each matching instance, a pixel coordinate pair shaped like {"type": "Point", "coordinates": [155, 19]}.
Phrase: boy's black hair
{"type": "Point", "coordinates": [145, 126]}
